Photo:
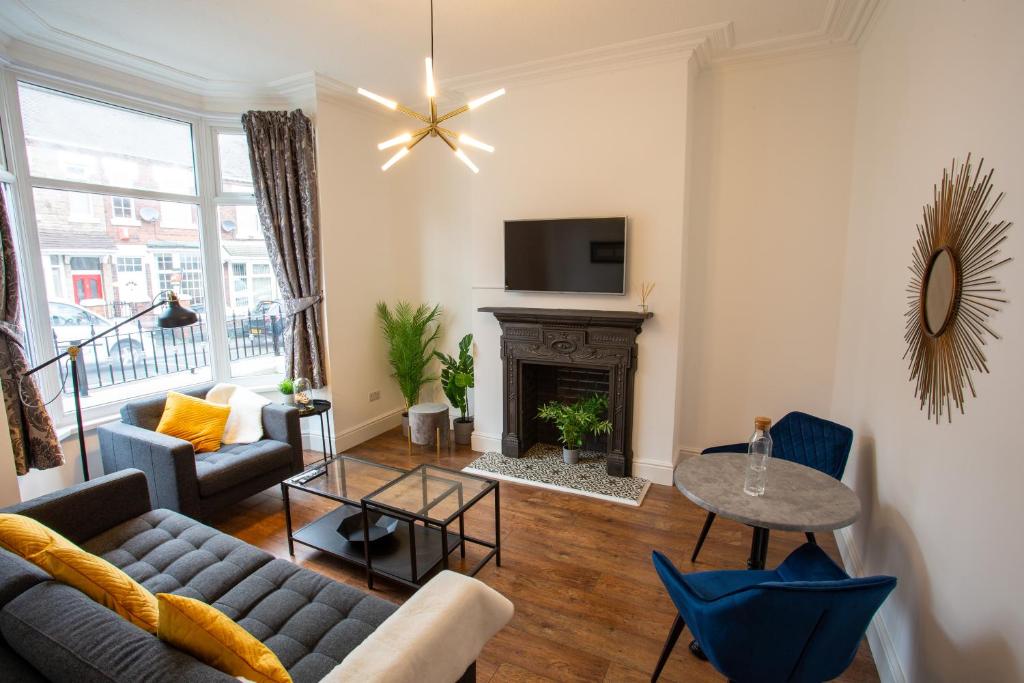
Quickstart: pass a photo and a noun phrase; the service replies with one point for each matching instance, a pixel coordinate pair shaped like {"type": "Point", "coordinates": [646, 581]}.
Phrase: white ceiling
{"type": "Point", "coordinates": [381, 43]}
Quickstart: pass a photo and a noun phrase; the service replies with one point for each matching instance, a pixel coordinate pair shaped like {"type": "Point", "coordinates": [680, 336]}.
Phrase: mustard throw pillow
{"type": "Point", "coordinates": [103, 582]}
{"type": "Point", "coordinates": [210, 636]}
{"type": "Point", "coordinates": [69, 564]}
{"type": "Point", "coordinates": [197, 421]}
{"type": "Point", "coordinates": [26, 537]}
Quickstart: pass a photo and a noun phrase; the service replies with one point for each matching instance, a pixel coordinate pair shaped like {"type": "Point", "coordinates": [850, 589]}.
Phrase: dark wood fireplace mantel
{"type": "Point", "coordinates": [599, 340]}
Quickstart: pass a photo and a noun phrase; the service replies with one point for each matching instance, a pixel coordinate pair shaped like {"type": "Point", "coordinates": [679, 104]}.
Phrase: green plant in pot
{"type": "Point", "coordinates": [456, 381]}
{"type": "Point", "coordinates": [576, 421]}
{"type": "Point", "coordinates": [410, 334]}
{"type": "Point", "coordinates": [287, 387]}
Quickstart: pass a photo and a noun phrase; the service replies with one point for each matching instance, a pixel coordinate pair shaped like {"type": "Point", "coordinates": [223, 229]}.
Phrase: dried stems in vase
{"type": "Point", "coordinates": [645, 291]}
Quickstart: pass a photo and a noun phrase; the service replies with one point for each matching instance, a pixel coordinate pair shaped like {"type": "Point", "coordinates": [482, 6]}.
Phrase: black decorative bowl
{"type": "Point", "coordinates": [380, 526]}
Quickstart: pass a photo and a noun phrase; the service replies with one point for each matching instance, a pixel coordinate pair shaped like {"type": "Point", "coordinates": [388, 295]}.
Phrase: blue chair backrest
{"type": "Point", "coordinates": [780, 631]}
{"type": "Point", "coordinates": [812, 441]}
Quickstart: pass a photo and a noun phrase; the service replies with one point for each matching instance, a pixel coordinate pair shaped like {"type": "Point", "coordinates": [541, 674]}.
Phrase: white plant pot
{"type": "Point", "coordinates": [570, 456]}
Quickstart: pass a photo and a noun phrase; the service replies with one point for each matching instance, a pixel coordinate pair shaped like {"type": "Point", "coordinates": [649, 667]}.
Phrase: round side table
{"type": "Point", "coordinates": [320, 408]}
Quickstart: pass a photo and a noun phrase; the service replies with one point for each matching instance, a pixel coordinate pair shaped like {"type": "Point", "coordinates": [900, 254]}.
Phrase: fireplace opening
{"type": "Point", "coordinates": [542, 383]}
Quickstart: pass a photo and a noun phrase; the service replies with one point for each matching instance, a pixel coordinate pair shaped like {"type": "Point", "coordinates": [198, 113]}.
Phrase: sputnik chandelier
{"type": "Point", "coordinates": [434, 129]}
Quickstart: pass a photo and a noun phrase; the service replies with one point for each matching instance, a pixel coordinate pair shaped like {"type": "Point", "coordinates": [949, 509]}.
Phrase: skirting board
{"type": "Point", "coordinates": [656, 472]}
{"type": "Point", "coordinates": [355, 435]}
{"type": "Point", "coordinates": [879, 639]}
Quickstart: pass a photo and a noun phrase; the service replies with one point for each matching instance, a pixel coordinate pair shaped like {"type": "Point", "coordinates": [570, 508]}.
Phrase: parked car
{"type": "Point", "coordinates": [266, 319]}
{"type": "Point", "coordinates": [72, 323]}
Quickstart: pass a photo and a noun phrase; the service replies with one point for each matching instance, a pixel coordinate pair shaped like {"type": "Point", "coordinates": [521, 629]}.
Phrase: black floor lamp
{"type": "Point", "coordinates": [176, 315]}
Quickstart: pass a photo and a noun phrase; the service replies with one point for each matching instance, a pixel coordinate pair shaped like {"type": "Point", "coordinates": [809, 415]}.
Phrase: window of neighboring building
{"type": "Point", "coordinates": [123, 207]}
{"type": "Point", "coordinates": [81, 208]}
{"type": "Point", "coordinates": [129, 264]}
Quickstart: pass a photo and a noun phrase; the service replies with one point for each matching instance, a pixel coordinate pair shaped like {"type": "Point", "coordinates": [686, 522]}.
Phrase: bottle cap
{"type": "Point", "coordinates": [762, 423]}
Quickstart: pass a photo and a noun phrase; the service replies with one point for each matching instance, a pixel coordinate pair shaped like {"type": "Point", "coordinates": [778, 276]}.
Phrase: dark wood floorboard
{"type": "Point", "coordinates": [589, 606]}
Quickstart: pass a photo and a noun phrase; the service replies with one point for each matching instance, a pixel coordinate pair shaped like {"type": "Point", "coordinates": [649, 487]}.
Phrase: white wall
{"type": "Point", "coordinates": [942, 503]}
{"type": "Point", "coordinates": [608, 144]}
{"type": "Point", "coordinates": [772, 154]}
{"type": "Point", "coordinates": [369, 254]}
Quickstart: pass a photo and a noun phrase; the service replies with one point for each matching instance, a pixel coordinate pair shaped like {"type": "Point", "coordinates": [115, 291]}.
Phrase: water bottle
{"type": "Point", "coordinates": [758, 452]}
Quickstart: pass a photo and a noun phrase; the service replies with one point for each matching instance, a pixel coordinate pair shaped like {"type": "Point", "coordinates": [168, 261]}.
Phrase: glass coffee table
{"type": "Point", "coordinates": [394, 522]}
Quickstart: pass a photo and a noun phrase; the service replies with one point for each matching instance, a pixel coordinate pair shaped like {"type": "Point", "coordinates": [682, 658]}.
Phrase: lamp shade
{"type": "Point", "coordinates": [176, 315]}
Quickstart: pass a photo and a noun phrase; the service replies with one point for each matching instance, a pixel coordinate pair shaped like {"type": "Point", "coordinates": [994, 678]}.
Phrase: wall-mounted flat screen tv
{"type": "Point", "coordinates": [585, 255]}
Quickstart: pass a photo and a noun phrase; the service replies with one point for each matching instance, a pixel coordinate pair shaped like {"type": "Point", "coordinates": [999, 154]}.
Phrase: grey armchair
{"type": "Point", "coordinates": [198, 484]}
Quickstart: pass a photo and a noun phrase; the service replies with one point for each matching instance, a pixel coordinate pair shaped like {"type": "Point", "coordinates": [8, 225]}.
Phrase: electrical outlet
{"type": "Point", "coordinates": [374, 396]}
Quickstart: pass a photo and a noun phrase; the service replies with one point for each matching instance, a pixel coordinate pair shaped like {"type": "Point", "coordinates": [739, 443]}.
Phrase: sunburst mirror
{"type": "Point", "coordinates": [952, 291]}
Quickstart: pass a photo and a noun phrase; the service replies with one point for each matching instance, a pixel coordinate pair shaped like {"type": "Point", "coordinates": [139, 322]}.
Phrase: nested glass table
{"type": "Point", "coordinates": [425, 502]}
{"type": "Point", "coordinates": [437, 497]}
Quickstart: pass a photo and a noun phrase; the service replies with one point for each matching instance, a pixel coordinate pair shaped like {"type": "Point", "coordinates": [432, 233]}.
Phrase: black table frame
{"type": "Point", "coordinates": [421, 515]}
{"type": "Point", "coordinates": [321, 408]}
{"type": "Point", "coordinates": [449, 542]}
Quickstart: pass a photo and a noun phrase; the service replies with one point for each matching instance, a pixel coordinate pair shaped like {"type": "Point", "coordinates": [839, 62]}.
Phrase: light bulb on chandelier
{"type": "Point", "coordinates": [432, 120]}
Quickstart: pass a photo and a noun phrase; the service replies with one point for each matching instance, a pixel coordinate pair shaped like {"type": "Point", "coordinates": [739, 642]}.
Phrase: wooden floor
{"type": "Point", "coordinates": [589, 606]}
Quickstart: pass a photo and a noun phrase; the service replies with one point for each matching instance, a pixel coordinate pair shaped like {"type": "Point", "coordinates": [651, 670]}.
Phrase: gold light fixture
{"type": "Point", "coordinates": [434, 129]}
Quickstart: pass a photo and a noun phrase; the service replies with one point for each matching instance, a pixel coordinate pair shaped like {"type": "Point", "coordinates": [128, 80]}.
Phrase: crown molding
{"type": "Point", "coordinates": [842, 26]}
{"type": "Point", "coordinates": [699, 43]}
{"type": "Point", "coordinates": [30, 44]}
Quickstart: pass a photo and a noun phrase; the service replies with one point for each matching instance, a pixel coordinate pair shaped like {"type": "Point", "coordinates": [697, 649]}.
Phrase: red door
{"type": "Point", "coordinates": [87, 287]}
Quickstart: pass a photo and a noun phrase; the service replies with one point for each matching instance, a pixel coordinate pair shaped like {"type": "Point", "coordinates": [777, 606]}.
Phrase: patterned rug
{"type": "Point", "coordinates": [542, 466]}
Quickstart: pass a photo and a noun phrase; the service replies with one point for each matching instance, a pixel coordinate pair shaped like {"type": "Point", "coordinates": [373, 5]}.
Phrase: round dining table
{"type": "Point", "coordinates": [796, 497]}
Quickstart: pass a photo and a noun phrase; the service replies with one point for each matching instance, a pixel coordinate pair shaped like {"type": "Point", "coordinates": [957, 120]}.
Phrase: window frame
{"type": "Point", "coordinates": [207, 197]}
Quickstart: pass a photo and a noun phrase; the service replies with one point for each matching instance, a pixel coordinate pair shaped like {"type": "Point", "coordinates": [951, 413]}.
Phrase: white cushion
{"type": "Point", "coordinates": [432, 638]}
{"type": "Point", "coordinates": [245, 422]}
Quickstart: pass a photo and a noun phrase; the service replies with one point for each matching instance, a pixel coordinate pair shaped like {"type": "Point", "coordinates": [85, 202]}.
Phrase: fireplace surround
{"type": "Point", "coordinates": [565, 354]}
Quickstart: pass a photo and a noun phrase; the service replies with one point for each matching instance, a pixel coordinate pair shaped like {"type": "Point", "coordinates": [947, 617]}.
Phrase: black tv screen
{"type": "Point", "coordinates": [566, 255]}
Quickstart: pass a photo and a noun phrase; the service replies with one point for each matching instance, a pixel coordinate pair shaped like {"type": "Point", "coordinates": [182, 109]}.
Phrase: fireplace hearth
{"type": "Point", "coordinates": [565, 354]}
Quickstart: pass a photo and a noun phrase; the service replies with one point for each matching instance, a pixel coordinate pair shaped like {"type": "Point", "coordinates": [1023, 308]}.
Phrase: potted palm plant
{"type": "Point", "coordinates": [576, 421]}
{"type": "Point", "coordinates": [410, 334]}
{"type": "Point", "coordinates": [456, 380]}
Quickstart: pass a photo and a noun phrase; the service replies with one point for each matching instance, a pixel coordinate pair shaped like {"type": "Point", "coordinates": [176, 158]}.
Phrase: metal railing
{"type": "Point", "coordinates": [145, 353]}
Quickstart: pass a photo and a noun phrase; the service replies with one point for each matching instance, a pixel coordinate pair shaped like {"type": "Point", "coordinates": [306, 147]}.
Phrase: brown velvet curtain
{"type": "Point", "coordinates": [33, 438]}
{"type": "Point", "coordinates": [283, 164]}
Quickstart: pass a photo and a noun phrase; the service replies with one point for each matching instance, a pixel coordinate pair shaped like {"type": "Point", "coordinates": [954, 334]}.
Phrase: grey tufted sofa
{"type": "Point", "coordinates": [53, 632]}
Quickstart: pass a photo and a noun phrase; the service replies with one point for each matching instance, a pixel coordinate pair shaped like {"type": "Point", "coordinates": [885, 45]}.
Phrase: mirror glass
{"type": "Point", "coordinates": [938, 291]}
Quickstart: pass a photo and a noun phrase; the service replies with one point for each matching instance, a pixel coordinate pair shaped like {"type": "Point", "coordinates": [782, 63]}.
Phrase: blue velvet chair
{"type": "Point", "coordinates": [800, 438]}
{"type": "Point", "coordinates": [800, 622]}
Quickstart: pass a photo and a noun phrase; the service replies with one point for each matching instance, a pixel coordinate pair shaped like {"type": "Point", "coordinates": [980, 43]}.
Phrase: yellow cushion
{"type": "Point", "coordinates": [69, 564]}
{"type": "Point", "coordinates": [195, 420]}
{"type": "Point", "coordinates": [210, 636]}
{"type": "Point", "coordinates": [26, 537]}
{"type": "Point", "coordinates": [103, 582]}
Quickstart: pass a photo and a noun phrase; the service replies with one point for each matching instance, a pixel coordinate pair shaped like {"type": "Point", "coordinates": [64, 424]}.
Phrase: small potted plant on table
{"type": "Point", "coordinates": [576, 421]}
{"type": "Point", "coordinates": [287, 389]}
{"type": "Point", "coordinates": [456, 380]}
{"type": "Point", "coordinates": [410, 339]}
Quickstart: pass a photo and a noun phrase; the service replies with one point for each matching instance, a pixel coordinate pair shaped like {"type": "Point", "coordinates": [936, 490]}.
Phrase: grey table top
{"type": "Point", "coordinates": [796, 498]}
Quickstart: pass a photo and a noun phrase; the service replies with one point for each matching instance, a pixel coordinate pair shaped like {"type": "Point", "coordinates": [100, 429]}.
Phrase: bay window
{"type": "Point", "coordinates": [118, 207]}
